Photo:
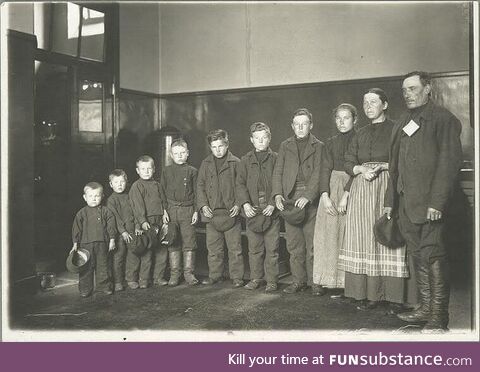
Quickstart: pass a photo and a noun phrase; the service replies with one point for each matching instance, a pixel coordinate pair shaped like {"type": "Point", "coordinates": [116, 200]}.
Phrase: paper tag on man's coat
{"type": "Point", "coordinates": [411, 128]}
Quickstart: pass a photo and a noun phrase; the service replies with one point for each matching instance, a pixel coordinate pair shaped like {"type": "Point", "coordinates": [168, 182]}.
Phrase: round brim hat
{"type": "Point", "coordinates": [168, 233]}
{"type": "Point", "coordinates": [259, 223]}
{"type": "Point", "coordinates": [388, 233]}
{"type": "Point", "coordinates": [222, 221]}
{"type": "Point", "coordinates": [139, 244]}
{"type": "Point", "coordinates": [292, 214]}
{"type": "Point", "coordinates": [77, 260]}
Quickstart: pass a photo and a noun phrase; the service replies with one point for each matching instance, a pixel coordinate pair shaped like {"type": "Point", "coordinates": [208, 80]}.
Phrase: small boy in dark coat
{"type": "Point", "coordinates": [178, 184]}
{"type": "Point", "coordinates": [217, 201]}
{"type": "Point", "coordinates": [119, 204]}
{"type": "Point", "coordinates": [94, 230]}
{"type": "Point", "coordinates": [147, 204]}
{"type": "Point", "coordinates": [254, 190]}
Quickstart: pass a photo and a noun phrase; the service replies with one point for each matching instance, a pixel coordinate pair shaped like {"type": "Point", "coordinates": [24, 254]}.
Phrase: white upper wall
{"type": "Point", "coordinates": [140, 54]}
{"type": "Point", "coordinates": [224, 46]}
{"type": "Point", "coordinates": [169, 48]}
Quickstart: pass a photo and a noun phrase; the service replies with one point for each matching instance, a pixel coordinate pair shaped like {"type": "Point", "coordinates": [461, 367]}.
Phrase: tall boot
{"type": "Point", "coordinates": [440, 288]}
{"type": "Point", "coordinates": [422, 312]}
{"type": "Point", "coordinates": [175, 267]}
{"type": "Point", "coordinates": [189, 267]}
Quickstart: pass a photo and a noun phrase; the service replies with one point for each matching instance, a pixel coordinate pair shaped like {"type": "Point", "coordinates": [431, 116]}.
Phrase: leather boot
{"type": "Point", "coordinates": [175, 268]}
{"type": "Point", "coordinates": [189, 267]}
{"type": "Point", "coordinates": [422, 312]}
{"type": "Point", "coordinates": [440, 288]}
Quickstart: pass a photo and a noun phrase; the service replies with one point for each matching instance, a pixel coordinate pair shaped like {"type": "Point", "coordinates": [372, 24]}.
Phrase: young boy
{"type": "Point", "coordinates": [297, 177]}
{"type": "Point", "coordinates": [216, 194]}
{"type": "Point", "coordinates": [178, 183]}
{"type": "Point", "coordinates": [254, 190]}
{"type": "Point", "coordinates": [147, 205]}
{"type": "Point", "coordinates": [94, 228]}
{"type": "Point", "coordinates": [119, 204]}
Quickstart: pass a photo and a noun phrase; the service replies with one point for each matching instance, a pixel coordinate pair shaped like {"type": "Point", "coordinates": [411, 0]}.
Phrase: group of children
{"type": "Point", "coordinates": [260, 186]}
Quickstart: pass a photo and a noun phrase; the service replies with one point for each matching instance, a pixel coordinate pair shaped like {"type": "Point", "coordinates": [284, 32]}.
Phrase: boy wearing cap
{"type": "Point", "coordinates": [147, 204]}
{"type": "Point", "coordinates": [178, 183]}
{"type": "Point", "coordinates": [297, 176]}
{"type": "Point", "coordinates": [217, 201]}
{"type": "Point", "coordinates": [254, 193]}
{"type": "Point", "coordinates": [94, 228]}
{"type": "Point", "coordinates": [126, 264]}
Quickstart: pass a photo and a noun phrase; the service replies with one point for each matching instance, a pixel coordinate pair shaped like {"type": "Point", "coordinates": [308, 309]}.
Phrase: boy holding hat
{"type": "Point", "coordinates": [128, 261]}
{"type": "Point", "coordinates": [296, 183]}
{"type": "Point", "coordinates": [178, 183]}
{"type": "Point", "coordinates": [217, 201]}
{"type": "Point", "coordinates": [147, 204]}
{"type": "Point", "coordinates": [94, 230]}
{"type": "Point", "coordinates": [254, 190]}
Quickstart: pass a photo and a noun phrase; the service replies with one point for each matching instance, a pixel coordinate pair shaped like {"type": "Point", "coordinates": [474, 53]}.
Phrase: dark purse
{"type": "Point", "coordinates": [387, 232]}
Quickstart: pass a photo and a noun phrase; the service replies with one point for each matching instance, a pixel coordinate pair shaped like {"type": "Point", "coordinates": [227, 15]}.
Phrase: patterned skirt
{"type": "Point", "coordinates": [329, 237]}
{"type": "Point", "coordinates": [361, 253]}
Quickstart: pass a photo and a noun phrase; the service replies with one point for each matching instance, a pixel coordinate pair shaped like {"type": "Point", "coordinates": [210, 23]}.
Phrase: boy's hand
{"type": "Point", "coordinates": [145, 226]}
{"type": "Point", "coordinates": [166, 217]}
{"type": "Point", "coordinates": [234, 211]}
{"type": "Point", "coordinates": [279, 199]}
{"type": "Point", "coordinates": [138, 231]}
{"type": "Point", "coordinates": [249, 211]}
{"type": "Point", "coordinates": [127, 237]}
{"type": "Point", "coordinates": [268, 210]}
{"type": "Point", "coordinates": [194, 218]}
{"type": "Point", "coordinates": [207, 211]}
{"type": "Point", "coordinates": [111, 245]}
{"type": "Point", "coordinates": [74, 248]}
{"type": "Point", "coordinates": [301, 202]}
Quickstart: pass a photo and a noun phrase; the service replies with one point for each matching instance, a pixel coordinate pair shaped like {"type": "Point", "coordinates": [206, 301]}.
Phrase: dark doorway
{"type": "Point", "coordinates": [51, 154]}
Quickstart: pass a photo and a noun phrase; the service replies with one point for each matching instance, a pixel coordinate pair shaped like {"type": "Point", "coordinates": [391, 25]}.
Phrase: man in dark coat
{"type": "Point", "coordinates": [297, 176]}
{"type": "Point", "coordinates": [425, 158]}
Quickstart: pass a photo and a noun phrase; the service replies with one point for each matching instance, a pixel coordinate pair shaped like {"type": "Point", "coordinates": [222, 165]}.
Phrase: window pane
{"type": "Point", "coordinates": [65, 27]}
{"type": "Point", "coordinates": [93, 30]}
{"type": "Point", "coordinates": [90, 116]}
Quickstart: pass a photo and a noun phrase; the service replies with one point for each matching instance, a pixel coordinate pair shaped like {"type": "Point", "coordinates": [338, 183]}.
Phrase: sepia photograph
{"type": "Point", "coordinates": [239, 171]}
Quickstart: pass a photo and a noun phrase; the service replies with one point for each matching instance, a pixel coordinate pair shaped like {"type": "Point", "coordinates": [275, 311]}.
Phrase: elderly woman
{"type": "Point", "coordinates": [373, 272]}
{"type": "Point", "coordinates": [330, 222]}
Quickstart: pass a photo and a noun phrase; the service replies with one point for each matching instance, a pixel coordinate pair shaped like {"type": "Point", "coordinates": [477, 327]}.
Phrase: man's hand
{"type": "Point", "coordinates": [74, 248]}
{"type": "Point", "coordinates": [279, 199]}
{"type": "Point", "coordinates": [329, 204]}
{"type": "Point", "coordinates": [111, 245]}
{"type": "Point", "coordinates": [127, 237]}
{"type": "Point", "coordinates": [234, 211]}
{"type": "Point", "coordinates": [342, 206]}
{"type": "Point", "coordinates": [388, 212]}
{"type": "Point", "coordinates": [166, 217]}
{"type": "Point", "coordinates": [433, 214]}
{"type": "Point", "coordinates": [146, 226]}
{"type": "Point", "coordinates": [268, 210]}
{"type": "Point", "coordinates": [301, 202]}
{"type": "Point", "coordinates": [207, 212]}
{"type": "Point", "coordinates": [194, 218]}
{"type": "Point", "coordinates": [138, 231]}
{"type": "Point", "coordinates": [249, 210]}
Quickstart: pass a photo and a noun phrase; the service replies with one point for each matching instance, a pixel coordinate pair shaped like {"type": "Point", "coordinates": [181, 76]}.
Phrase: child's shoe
{"type": "Point", "coordinates": [119, 287]}
{"type": "Point", "coordinates": [108, 292]}
{"type": "Point", "coordinates": [271, 287]}
{"type": "Point", "coordinates": [143, 285]}
{"type": "Point", "coordinates": [132, 285]}
{"type": "Point", "coordinates": [253, 284]}
{"type": "Point", "coordinates": [161, 282]}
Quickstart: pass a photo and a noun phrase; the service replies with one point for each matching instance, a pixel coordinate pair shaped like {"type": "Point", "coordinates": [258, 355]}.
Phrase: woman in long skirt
{"type": "Point", "coordinates": [330, 222]}
{"type": "Point", "coordinates": [373, 272]}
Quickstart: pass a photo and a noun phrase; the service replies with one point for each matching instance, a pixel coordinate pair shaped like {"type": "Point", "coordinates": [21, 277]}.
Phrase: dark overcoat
{"type": "Point", "coordinates": [434, 156]}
